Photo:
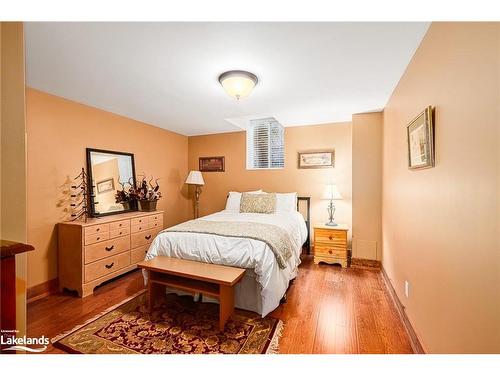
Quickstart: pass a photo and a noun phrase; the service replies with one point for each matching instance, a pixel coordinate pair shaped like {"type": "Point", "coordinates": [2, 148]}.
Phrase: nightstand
{"type": "Point", "coordinates": [330, 244]}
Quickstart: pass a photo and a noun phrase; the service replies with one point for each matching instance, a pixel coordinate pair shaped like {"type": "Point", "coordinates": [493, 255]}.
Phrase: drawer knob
{"type": "Point", "coordinates": [330, 238]}
{"type": "Point", "coordinates": [120, 232]}
{"type": "Point", "coordinates": [98, 229]}
{"type": "Point", "coordinates": [108, 266]}
{"type": "Point", "coordinates": [120, 225]}
{"type": "Point", "coordinates": [98, 238]}
{"type": "Point", "coordinates": [110, 248]}
{"type": "Point", "coordinates": [330, 251]}
{"type": "Point", "coordinates": [140, 228]}
{"type": "Point", "coordinates": [147, 237]}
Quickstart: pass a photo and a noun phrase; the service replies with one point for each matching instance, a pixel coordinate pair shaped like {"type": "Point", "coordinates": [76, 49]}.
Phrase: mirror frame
{"type": "Point", "coordinates": [92, 212]}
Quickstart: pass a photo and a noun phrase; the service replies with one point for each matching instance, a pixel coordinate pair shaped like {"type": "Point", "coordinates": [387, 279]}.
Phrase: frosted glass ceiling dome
{"type": "Point", "coordinates": [238, 83]}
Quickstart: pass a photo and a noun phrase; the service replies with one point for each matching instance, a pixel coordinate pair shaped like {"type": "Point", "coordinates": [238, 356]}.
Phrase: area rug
{"type": "Point", "coordinates": [177, 325]}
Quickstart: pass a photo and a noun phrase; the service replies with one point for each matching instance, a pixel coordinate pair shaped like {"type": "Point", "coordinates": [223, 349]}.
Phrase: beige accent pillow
{"type": "Point", "coordinates": [258, 203]}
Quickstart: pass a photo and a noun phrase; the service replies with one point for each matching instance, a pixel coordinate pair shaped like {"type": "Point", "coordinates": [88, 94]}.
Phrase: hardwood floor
{"type": "Point", "coordinates": [328, 310]}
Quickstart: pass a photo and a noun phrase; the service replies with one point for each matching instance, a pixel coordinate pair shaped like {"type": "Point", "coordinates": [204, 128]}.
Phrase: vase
{"type": "Point", "coordinates": [147, 205]}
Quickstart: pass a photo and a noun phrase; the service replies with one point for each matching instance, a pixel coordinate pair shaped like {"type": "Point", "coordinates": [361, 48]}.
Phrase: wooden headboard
{"type": "Point", "coordinates": [307, 216]}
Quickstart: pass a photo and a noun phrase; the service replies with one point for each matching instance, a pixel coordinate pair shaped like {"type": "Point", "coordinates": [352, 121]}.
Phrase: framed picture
{"type": "Point", "coordinates": [105, 185]}
{"type": "Point", "coordinates": [420, 136]}
{"type": "Point", "coordinates": [212, 164]}
{"type": "Point", "coordinates": [317, 159]}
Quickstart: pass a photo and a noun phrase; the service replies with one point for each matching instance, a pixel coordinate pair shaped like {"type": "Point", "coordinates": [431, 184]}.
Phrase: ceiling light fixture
{"type": "Point", "coordinates": [238, 83]}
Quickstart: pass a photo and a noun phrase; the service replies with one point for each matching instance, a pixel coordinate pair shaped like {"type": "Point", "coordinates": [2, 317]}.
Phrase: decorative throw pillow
{"type": "Point", "coordinates": [258, 203]}
{"type": "Point", "coordinates": [234, 200]}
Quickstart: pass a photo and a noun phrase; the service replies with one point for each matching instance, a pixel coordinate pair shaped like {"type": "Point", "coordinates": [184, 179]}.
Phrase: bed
{"type": "Point", "coordinates": [268, 275]}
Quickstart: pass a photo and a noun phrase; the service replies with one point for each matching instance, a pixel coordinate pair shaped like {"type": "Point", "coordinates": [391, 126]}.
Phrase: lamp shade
{"type": "Point", "coordinates": [195, 178]}
{"type": "Point", "coordinates": [331, 192]}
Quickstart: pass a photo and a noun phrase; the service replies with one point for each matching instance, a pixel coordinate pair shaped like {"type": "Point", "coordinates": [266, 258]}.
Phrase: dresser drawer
{"type": "Point", "coordinates": [335, 237]}
{"type": "Point", "coordinates": [142, 238]}
{"type": "Point", "coordinates": [155, 217]}
{"type": "Point", "coordinates": [119, 225]}
{"type": "Point", "coordinates": [105, 266]}
{"type": "Point", "coordinates": [106, 248]}
{"type": "Point", "coordinates": [119, 232]}
{"type": "Point", "coordinates": [158, 224]}
{"type": "Point", "coordinates": [139, 228]}
{"type": "Point", "coordinates": [138, 254]}
{"type": "Point", "coordinates": [138, 221]}
{"type": "Point", "coordinates": [96, 229]}
{"type": "Point", "coordinates": [330, 252]}
{"type": "Point", "coordinates": [93, 238]}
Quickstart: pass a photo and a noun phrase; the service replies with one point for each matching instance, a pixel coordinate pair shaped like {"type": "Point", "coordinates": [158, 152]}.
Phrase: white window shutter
{"type": "Point", "coordinates": [265, 144]}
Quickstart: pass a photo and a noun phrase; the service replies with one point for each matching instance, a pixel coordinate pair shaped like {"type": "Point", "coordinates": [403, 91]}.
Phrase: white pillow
{"type": "Point", "coordinates": [286, 202]}
{"type": "Point", "coordinates": [234, 200]}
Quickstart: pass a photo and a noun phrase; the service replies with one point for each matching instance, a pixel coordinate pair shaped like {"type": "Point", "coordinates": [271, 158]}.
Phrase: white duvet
{"type": "Point", "coordinates": [241, 252]}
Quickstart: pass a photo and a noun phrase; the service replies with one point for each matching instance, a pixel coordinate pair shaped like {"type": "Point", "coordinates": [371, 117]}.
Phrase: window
{"type": "Point", "coordinates": [265, 144]}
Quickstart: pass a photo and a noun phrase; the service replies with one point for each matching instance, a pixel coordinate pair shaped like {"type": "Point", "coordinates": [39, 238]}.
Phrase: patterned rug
{"type": "Point", "coordinates": [178, 325]}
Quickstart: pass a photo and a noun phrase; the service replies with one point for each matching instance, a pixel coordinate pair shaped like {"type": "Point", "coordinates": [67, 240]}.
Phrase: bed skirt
{"type": "Point", "coordinates": [247, 293]}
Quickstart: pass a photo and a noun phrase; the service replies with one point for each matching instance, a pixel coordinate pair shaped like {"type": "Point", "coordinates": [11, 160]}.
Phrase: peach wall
{"type": "Point", "coordinates": [59, 130]}
{"type": "Point", "coordinates": [307, 182]}
{"type": "Point", "coordinates": [367, 185]}
{"type": "Point", "coordinates": [440, 225]}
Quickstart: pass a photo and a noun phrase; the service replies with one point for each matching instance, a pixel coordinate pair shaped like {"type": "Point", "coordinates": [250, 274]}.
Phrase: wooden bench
{"type": "Point", "coordinates": [196, 277]}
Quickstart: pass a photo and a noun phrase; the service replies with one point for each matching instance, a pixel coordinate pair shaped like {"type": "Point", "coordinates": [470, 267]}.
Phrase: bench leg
{"type": "Point", "coordinates": [154, 290]}
{"type": "Point", "coordinates": [226, 305]}
{"type": "Point", "coordinates": [150, 296]}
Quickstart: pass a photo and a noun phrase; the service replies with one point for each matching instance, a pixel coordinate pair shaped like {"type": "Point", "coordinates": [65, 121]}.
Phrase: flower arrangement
{"type": "Point", "coordinates": [144, 192]}
{"type": "Point", "coordinates": [125, 196]}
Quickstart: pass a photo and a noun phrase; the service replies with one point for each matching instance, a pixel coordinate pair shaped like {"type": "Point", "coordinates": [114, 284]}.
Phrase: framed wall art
{"type": "Point", "coordinates": [317, 159]}
{"type": "Point", "coordinates": [212, 164]}
{"type": "Point", "coordinates": [420, 138]}
{"type": "Point", "coordinates": [105, 185]}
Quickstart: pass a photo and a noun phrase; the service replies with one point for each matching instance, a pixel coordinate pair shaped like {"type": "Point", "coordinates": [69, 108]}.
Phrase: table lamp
{"type": "Point", "coordinates": [331, 193]}
{"type": "Point", "coordinates": [196, 178]}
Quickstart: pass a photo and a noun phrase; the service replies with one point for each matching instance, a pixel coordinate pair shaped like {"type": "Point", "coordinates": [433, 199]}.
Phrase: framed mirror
{"type": "Point", "coordinates": [108, 171]}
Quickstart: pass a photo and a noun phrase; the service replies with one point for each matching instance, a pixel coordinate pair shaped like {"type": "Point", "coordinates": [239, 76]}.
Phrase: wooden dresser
{"type": "Point", "coordinates": [102, 248]}
{"type": "Point", "coordinates": [330, 244]}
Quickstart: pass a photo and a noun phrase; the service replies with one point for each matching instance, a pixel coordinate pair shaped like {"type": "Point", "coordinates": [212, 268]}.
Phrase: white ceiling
{"type": "Point", "coordinates": [165, 74]}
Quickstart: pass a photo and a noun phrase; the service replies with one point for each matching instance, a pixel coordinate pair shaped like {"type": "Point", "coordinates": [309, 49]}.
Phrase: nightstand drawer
{"type": "Point", "coordinates": [330, 236]}
{"type": "Point", "coordinates": [330, 251]}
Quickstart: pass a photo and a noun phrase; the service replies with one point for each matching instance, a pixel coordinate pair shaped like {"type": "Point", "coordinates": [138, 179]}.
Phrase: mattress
{"type": "Point", "coordinates": [265, 283]}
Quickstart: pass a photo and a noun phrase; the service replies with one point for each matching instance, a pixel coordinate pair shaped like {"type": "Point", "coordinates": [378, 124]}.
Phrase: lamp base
{"type": "Point", "coordinates": [331, 213]}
